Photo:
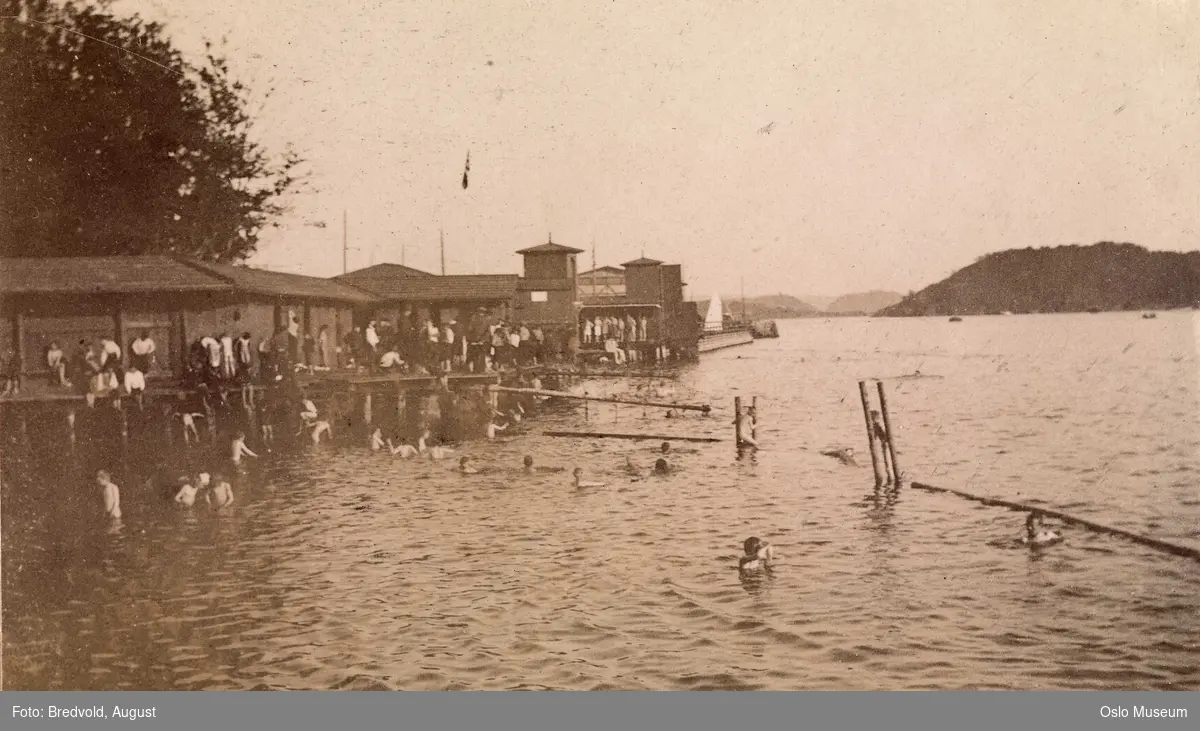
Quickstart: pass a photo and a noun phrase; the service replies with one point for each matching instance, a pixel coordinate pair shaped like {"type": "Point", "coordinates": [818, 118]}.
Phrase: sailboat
{"type": "Point", "coordinates": [717, 334]}
{"type": "Point", "coordinates": [714, 321]}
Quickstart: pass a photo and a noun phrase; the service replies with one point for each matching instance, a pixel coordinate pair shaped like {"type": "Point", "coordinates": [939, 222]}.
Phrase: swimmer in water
{"type": "Point", "coordinates": [465, 467]}
{"type": "Point", "coordinates": [493, 427]}
{"type": "Point", "coordinates": [665, 448]}
{"type": "Point", "coordinates": [222, 493]}
{"type": "Point", "coordinates": [433, 451]}
{"type": "Point", "coordinates": [662, 467]}
{"type": "Point", "coordinates": [186, 496]}
{"type": "Point", "coordinates": [377, 442]}
{"type": "Point", "coordinates": [189, 426]}
{"type": "Point", "coordinates": [111, 494]}
{"type": "Point", "coordinates": [404, 451]}
{"type": "Point", "coordinates": [579, 482]}
{"type": "Point", "coordinates": [1036, 534]}
{"type": "Point", "coordinates": [758, 555]}
{"type": "Point", "coordinates": [238, 449]}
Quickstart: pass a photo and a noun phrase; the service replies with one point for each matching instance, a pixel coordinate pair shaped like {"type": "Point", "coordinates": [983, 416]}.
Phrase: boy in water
{"type": "Point", "coordinates": [465, 466]}
{"type": "Point", "coordinates": [221, 495]}
{"type": "Point", "coordinates": [189, 426]}
{"type": "Point", "coordinates": [186, 496]}
{"type": "Point", "coordinates": [758, 555]}
{"type": "Point", "coordinates": [238, 448]}
{"type": "Point", "coordinates": [111, 494]}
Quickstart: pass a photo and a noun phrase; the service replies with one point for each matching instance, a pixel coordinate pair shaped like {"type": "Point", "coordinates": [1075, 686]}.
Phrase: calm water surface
{"type": "Point", "coordinates": [339, 568]}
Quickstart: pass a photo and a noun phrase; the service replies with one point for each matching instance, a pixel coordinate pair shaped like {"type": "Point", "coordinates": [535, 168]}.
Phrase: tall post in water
{"type": "Point", "coordinates": [887, 426]}
{"type": "Point", "coordinates": [879, 469]}
{"type": "Point", "coordinates": [754, 421]}
{"type": "Point", "coordinates": [737, 420]}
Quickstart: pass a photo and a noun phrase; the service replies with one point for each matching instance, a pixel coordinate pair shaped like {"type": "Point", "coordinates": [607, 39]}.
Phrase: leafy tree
{"type": "Point", "coordinates": [114, 143]}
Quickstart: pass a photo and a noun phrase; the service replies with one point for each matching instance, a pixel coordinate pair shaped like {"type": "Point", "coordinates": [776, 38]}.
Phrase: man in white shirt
{"type": "Point", "coordinates": [135, 384]}
{"type": "Point", "coordinates": [142, 352]}
{"type": "Point", "coordinates": [391, 359]}
{"type": "Point", "coordinates": [110, 354]}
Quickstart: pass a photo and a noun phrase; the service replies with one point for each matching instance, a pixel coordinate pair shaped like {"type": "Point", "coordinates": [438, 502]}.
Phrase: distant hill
{"type": "Point", "coordinates": [1103, 276]}
{"type": "Point", "coordinates": [863, 303]}
{"type": "Point", "coordinates": [817, 301]}
{"type": "Point", "coordinates": [766, 307]}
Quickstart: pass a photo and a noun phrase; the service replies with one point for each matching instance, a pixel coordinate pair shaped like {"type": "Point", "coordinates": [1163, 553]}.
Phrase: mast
{"type": "Point", "coordinates": [345, 241]}
{"type": "Point", "coordinates": [743, 300]}
{"type": "Point", "coordinates": [442, 236]}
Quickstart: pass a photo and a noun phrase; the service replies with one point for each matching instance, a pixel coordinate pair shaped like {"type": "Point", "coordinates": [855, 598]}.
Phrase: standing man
{"type": "Point", "coordinates": [142, 351]}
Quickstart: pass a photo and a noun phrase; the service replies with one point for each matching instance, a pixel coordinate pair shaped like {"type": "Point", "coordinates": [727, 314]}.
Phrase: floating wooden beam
{"type": "Point", "coordinates": [609, 435]}
{"type": "Point", "coordinates": [1172, 548]}
{"type": "Point", "coordinates": [600, 399]}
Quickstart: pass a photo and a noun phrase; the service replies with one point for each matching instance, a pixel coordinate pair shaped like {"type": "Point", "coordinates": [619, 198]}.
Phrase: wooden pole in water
{"type": "Point", "coordinates": [880, 470]}
{"type": "Point", "coordinates": [887, 425]}
{"type": "Point", "coordinates": [737, 420]}
{"type": "Point", "coordinates": [754, 408]}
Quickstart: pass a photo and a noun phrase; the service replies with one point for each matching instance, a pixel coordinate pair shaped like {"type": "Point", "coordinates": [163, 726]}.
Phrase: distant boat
{"type": "Point", "coordinates": [956, 319]}
{"type": "Point", "coordinates": [1149, 315]}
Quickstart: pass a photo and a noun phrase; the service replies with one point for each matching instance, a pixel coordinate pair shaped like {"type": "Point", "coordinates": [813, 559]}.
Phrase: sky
{"type": "Point", "coordinates": [795, 147]}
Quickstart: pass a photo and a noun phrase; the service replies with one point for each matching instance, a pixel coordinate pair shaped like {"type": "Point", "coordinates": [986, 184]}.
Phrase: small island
{"type": "Point", "coordinates": [1102, 277]}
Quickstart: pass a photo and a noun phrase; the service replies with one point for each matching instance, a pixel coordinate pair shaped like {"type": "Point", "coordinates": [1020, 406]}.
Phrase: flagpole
{"type": "Point", "coordinates": [593, 266]}
{"type": "Point", "coordinates": [345, 241]}
{"type": "Point", "coordinates": [442, 233]}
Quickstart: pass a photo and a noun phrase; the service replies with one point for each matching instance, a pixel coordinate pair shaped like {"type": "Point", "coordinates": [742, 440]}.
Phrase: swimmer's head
{"type": "Point", "coordinates": [1033, 522]}
{"type": "Point", "coordinates": [666, 447]}
{"type": "Point", "coordinates": [240, 435]}
{"type": "Point", "coordinates": [661, 466]}
{"type": "Point", "coordinates": [102, 476]}
{"type": "Point", "coordinates": [578, 472]}
{"type": "Point", "coordinates": [528, 461]}
{"type": "Point", "coordinates": [218, 477]}
{"type": "Point", "coordinates": [464, 461]}
{"type": "Point", "coordinates": [752, 545]}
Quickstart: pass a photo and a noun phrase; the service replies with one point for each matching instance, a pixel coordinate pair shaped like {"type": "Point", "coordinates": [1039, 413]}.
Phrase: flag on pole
{"type": "Point", "coordinates": [466, 170]}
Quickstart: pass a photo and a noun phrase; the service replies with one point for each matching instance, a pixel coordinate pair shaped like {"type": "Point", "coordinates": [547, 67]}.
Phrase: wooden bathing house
{"type": "Point", "coordinates": [176, 300]}
{"type": "Point", "coordinates": [398, 291]}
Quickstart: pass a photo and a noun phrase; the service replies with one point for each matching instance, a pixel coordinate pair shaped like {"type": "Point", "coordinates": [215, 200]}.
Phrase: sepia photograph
{"type": "Point", "coordinates": [690, 345]}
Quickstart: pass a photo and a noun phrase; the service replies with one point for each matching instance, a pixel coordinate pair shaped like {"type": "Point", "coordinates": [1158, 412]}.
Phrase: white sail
{"type": "Point", "coordinates": [714, 321]}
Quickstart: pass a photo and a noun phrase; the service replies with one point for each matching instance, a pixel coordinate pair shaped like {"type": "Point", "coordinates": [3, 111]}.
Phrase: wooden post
{"type": "Point", "coordinates": [754, 421]}
{"type": "Point", "coordinates": [737, 420]}
{"type": "Point", "coordinates": [19, 341]}
{"type": "Point", "coordinates": [367, 408]}
{"type": "Point", "coordinates": [124, 427]}
{"type": "Point", "coordinates": [887, 425]}
{"type": "Point", "coordinates": [872, 444]}
{"type": "Point", "coordinates": [585, 406]}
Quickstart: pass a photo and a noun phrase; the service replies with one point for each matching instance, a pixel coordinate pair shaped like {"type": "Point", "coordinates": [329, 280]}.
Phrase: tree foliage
{"type": "Point", "coordinates": [114, 143]}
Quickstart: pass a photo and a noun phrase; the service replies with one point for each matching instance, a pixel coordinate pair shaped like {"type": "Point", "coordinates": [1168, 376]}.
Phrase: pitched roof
{"type": "Point", "coordinates": [435, 288]}
{"type": "Point", "coordinates": [601, 270]}
{"type": "Point", "coordinates": [280, 284]}
{"type": "Point", "coordinates": [550, 248]}
{"type": "Point", "coordinates": [105, 275]}
{"type": "Point", "coordinates": [642, 262]}
{"type": "Point", "coordinates": [385, 271]}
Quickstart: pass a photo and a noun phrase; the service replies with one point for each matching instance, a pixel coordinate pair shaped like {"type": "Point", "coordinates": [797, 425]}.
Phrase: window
{"type": "Point", "coordinates": [538, 296]}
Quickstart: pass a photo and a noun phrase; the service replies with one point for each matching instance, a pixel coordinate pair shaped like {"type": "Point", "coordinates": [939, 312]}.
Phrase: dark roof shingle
{"type": "Point", "coordinates": [105, 275]}
{"type": "Point", "coordinates": [435, 288]}
{"type": "Point", "coordinates": [280, 284]}
{"type": "Point", "coordinates": [642, 262]}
